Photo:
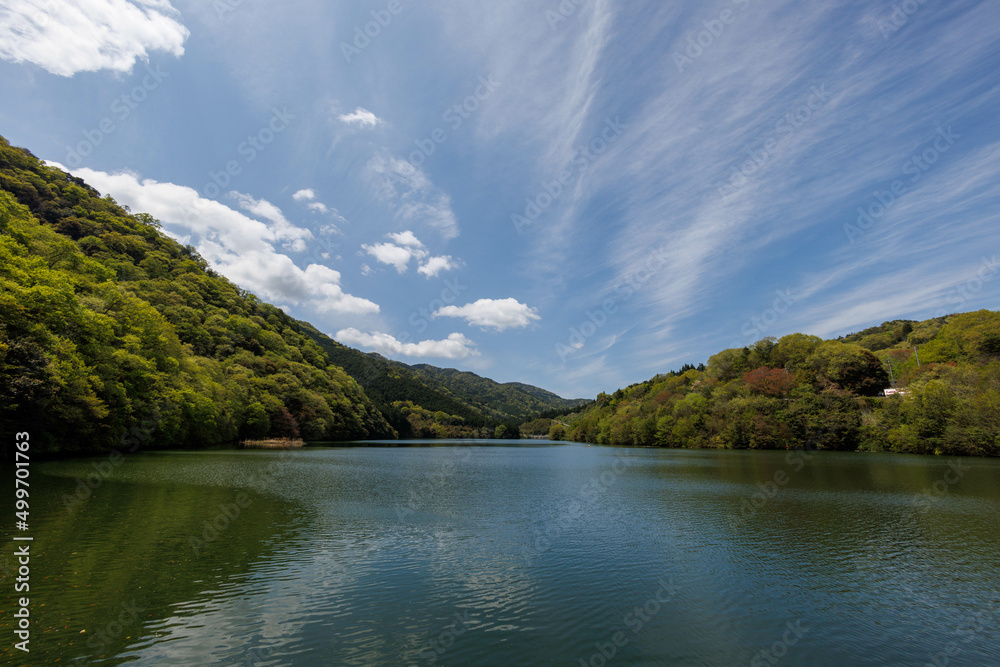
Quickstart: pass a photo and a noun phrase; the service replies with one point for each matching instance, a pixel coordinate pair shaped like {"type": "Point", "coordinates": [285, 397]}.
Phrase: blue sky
{"type": "Point", "coordinates": [576, 194]}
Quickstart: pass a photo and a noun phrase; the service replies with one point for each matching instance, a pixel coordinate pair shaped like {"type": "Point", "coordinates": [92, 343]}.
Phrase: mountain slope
{"type": "Point", "coordinates": [478, 401]}
{"type": "Point", "coordinates": [113, 334]}
{"type": "Point", "coordinates": [801, 391]}
{"type": "Point", "coordinates": [512, 400]}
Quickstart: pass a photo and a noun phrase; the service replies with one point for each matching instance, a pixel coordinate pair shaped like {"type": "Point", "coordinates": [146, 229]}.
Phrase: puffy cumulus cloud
{"type": "Point", "coordinates": [394, 255]}
{"type": "Point", "coordinates": [455, 346]}
{"type": "Point", "coordinates": [361, 117]}
{"type": "Point", "coordinates": [236, 245]}
{"type": "Point", "coordinates": [406, 239]}
{"type": "Point", "coordinates": [276, 277]}
{"type": "Point", "coordinates": [405, 246]}
{"type": "Point", "coordinates": [435, 265]}
{"type": "Point", "coordinates": [305, 194]}
{"type": "Point", "coordinates": [400, 183]}
{"type": "Point", "coordinates": [499, 314]}
{"type": "Point", "coordinates": [69, 37]}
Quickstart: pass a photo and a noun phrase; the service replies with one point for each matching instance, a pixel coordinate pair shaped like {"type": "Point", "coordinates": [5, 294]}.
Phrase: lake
{"type": "Point", "coordinates": [507, 553]}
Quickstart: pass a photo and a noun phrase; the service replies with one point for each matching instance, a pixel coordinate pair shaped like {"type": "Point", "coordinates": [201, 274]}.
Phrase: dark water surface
{"type": "Point", "coordinates": [511, 555]}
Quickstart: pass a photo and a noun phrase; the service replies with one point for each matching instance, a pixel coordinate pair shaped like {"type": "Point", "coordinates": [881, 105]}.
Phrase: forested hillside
{"type": "Point", "coordinates": [111, 332]}
{"type": "Point", "coordinates": [800, 391]}
{"type": "Point", "coordinates": [466, 399]}
{"type": "Point", "coordinates": [511, 400]}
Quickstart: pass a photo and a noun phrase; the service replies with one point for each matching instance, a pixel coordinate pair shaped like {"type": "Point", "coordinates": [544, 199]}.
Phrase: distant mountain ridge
{"type": "Point", "coordinates": [479, 401]}
{"type": "Point", "coordinates": [113, 333]}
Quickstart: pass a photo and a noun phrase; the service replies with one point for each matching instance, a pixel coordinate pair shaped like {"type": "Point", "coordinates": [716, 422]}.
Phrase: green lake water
{"type": "Point", "coordinates": [499, 553]}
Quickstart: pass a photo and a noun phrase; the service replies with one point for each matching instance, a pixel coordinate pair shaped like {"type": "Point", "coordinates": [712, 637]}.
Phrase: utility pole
{"type": "Point", "coordinates": [917, 352]}
{"type": "Point", "coordinates": [892, 378]}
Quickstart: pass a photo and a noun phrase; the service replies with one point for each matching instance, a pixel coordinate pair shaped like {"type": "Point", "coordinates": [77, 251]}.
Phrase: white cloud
{"type": "Point", "coordinates": [69, 37]}
{"type": "Point", "coordinates": [307, 196]}
{"type": "Point", "coordinates": [394, 255]}
{"type": "Point", "coordinates": [406, 239]}
{"type": "Point", "coordinates": [456, 346]}
{"type": "Point", "coordinates": [405, 246]}
{"type": "Point", "coordinates": [277, 277]}
{"type": "Point", "coordinates": [361, 117]}
{"type": "Point", "coordinates": [499, 314]}
{"type": "Point", "coordinates": [237, 246]}
{"type": "Point", "coordinates": [294, 237]}
{"type": "Point", "coordinates": [435, 265]}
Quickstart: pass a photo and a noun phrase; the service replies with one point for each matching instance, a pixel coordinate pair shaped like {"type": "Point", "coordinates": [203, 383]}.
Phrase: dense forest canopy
{"type": "Point", "coordinates": [803, 392]}
{"type": "Point", "coordinates": [111, 332]}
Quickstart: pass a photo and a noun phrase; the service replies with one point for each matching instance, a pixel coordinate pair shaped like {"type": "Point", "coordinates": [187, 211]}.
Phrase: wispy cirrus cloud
{"type": "Point", "coordinates": [685, 140]}
{"type": "Point", "coordinates": [406, 187]}
{"type": "Point", "coordinates": [307, 197]}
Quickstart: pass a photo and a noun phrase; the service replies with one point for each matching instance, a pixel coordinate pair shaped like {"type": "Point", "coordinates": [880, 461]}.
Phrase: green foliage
{"type": "Point", "coordinates": [479, 403]}
{"type": "Point", "coordinates": [107, 325]}
{"type": "Point", "coordinates": [803, 392]}
{"type": "Point", "coordinates": [507, 432]}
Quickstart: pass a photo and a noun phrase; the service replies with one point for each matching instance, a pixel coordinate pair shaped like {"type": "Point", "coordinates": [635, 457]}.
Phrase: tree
{"type": "Point", "coordinates": [769, 381]}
